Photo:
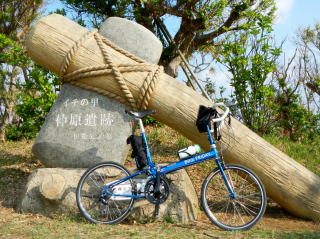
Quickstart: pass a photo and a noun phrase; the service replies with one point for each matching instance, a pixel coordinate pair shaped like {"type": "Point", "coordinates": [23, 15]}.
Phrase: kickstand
{"type": "Point", "coordinates": [156, 210]}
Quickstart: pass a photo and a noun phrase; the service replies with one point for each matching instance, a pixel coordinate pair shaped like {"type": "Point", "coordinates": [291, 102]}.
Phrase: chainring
{"type": "Point", "coordinates": [151, 196]}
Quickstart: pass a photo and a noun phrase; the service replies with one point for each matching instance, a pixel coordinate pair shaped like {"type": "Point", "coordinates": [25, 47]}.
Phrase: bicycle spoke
{"type": "Point", "coordinates": [247, 186]}
{"type": "Point", "coordinates": [93, 205]}
{"type": "Point", "coordinates": [220, 207]}
{"type": "Point", "coordinates": [101, 177]}
{"type": "Point", "coordinates": [237, 213]}
{"type": "Point", "coordinates": [89, 196]}
{"type": "Point", "coordinates": [250, 200]}
{"type": "Point", "coordinates": [248, 210]}
{"type": "Point", "coordinates": [94, 182]}
{"type": "Point", "coordinates": [110, 209]}
{"type": "Point", "coordinates": [117, 207]}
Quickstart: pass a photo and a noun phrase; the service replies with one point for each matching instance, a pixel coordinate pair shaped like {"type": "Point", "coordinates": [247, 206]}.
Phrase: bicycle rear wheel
{"type": "Point", "coordinates": [96, 205]}
{"type": "Point", "coordinates": [241, 212]}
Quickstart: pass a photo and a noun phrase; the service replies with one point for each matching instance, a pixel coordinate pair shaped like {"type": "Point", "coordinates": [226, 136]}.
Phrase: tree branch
{"type": "Point", "coordinates": [207, 38]}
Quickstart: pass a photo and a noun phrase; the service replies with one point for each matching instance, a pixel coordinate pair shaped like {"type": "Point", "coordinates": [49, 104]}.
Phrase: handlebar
{"type": "Point", "coordinates": [225, 114]}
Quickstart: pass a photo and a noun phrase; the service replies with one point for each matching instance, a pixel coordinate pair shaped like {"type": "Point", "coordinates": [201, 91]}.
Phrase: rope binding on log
{"type": "Point", "coordinates": [149, 83]}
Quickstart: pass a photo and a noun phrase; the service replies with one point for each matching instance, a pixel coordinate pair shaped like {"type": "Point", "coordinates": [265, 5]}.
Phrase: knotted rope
{"type": "Point", "coordinates": [149, 84]}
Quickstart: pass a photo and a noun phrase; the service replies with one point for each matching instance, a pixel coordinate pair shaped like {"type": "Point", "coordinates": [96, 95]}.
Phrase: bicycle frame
{"type": "Point", "coordinates": [152, 168]}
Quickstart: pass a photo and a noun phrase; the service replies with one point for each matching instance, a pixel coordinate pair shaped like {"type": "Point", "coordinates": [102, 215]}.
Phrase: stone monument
{"type": "Point", "coordinates": [83, 127]}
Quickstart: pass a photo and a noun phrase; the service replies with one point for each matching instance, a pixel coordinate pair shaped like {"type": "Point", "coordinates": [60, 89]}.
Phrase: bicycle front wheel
{"type": "Point", "coordinates": [238, 213]}
{"type": "Point", "coordinates": [100, 207]}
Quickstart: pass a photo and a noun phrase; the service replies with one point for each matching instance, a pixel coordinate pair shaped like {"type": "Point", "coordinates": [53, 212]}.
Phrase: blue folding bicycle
{"type": "Point", "coordinates": [232, 196]}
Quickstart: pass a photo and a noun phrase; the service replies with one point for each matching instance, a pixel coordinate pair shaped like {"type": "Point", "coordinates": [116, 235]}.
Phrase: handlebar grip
{"type": "Point", "coordinates": [225, 114]}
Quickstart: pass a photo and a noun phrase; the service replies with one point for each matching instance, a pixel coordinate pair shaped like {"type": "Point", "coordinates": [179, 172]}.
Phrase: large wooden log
{"type": "Point", "coordinates": [287, 182]}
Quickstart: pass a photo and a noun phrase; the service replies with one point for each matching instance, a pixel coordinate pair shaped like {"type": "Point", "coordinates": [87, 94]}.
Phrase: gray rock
{"type": "Point", "coordinates": [132, 37]}
{"type": "Point", "coordinates": [181, 206]}
{"type": "Point", "coordinates": [83, 128]}
{"type": "Point", "coordinates": [33, 200]}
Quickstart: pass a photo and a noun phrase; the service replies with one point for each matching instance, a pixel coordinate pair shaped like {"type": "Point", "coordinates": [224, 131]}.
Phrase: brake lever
{"type": "Point", "coordinates": [231, 103]}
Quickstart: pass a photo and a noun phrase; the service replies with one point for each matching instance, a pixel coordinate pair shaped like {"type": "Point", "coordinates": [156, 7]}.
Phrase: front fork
{"type": "Point", "coordinates": [225, 179]}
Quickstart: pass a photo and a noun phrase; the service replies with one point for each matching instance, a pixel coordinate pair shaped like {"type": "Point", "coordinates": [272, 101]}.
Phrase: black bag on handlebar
{"type": "Point", "coordinates": [205, 114]}
{"type": "Point", "coordinates": [139, 152]}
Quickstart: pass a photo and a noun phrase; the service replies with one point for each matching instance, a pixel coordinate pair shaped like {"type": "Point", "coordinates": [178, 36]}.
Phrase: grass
{"type": "Point", "coordinates": [17, 162]}
{"type": "Point", "coordinates": [307, 154]}
{"type": "Point", "coordinates": [33, 226]}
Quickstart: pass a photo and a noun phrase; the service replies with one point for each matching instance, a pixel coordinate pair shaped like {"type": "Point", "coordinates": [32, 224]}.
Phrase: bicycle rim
{"type": "Point", "coordinates": [104, 209]}
{"type": "Point", "coordinates": [240, 213]}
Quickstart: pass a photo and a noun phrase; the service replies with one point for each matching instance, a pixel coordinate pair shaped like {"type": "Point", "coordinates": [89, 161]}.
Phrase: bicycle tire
{"type": "Point", "coordinates": [227, 213]}
{"type": "Point", "coordinates": [103, 209]}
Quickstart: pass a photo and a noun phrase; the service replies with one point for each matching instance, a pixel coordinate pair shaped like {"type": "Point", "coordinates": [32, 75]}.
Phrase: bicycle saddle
{"type": "Point", "coordinates": [140, 114]}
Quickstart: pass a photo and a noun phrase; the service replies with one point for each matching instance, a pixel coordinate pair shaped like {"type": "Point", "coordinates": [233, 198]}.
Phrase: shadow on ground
{"type": "Point", "coordinates": [14, 172]}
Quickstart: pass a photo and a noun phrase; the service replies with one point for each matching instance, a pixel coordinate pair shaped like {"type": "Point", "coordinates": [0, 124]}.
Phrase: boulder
{"type": "Point", "coordinates": [181, 206]}
{"type": "Point", "coordinates": [51, 191]}
{"type": "Point", "coordinates": [44, 196]}
{"type": "Point", "coordinates": [138, 40]}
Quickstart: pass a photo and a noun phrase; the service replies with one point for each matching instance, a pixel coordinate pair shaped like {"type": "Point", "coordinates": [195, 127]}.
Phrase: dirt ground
{"type": "Point", "coordinates": [275, 217]}
{"type": "Point", "coordinates": [17, 162]}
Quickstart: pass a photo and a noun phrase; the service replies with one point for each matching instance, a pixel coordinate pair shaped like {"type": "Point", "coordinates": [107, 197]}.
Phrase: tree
{"type": "Point", "coordinates": [269, 93]}
{"type": "Point", "coordinates": [250, 59]}
{"type": "Point", "coordinates": [16, 69]}
{"type": "Point", "coordinates": [296, 87]}
{"type": "Point", "coordinates": [11, 59]}
{"type": "Point", "coordinates": [203, 23]}
{"type": "Point", "coordinates": [308, 43]}
{"type": "Point", "coordinates": [293, 118]}
{"type": "Point", "coordinates": [36, 96]}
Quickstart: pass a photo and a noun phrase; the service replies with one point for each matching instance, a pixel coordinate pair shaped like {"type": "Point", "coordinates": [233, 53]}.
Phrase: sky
{"type": "Point", "coordinates": [291, 15]}
{"type": "Point", "coordinates": [294, 14]}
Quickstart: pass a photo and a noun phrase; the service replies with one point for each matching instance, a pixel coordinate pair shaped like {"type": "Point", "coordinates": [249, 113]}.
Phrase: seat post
{"type": "Point", "coordinates": [143, 134]}
{"type": "Point", "coordinates": [141, 126]}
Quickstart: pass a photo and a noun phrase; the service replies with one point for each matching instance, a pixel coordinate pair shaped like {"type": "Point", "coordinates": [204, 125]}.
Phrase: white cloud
{"type": "Point", "coordinates": [221, 78]}
{"type": "Point", "coordinates": [283, 10]}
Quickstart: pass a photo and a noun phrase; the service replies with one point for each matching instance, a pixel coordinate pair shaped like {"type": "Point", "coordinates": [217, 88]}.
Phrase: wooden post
{"type": "Point", "coordinates": [287, 182]}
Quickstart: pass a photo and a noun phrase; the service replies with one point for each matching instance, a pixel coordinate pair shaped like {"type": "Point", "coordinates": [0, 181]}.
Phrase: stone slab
{"type": "Point", "coordinates": [181, 206]}
{"type": "Point", "coordinates": [32, 200]}
{"type": "Point", "coordinates": [83, 128]}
